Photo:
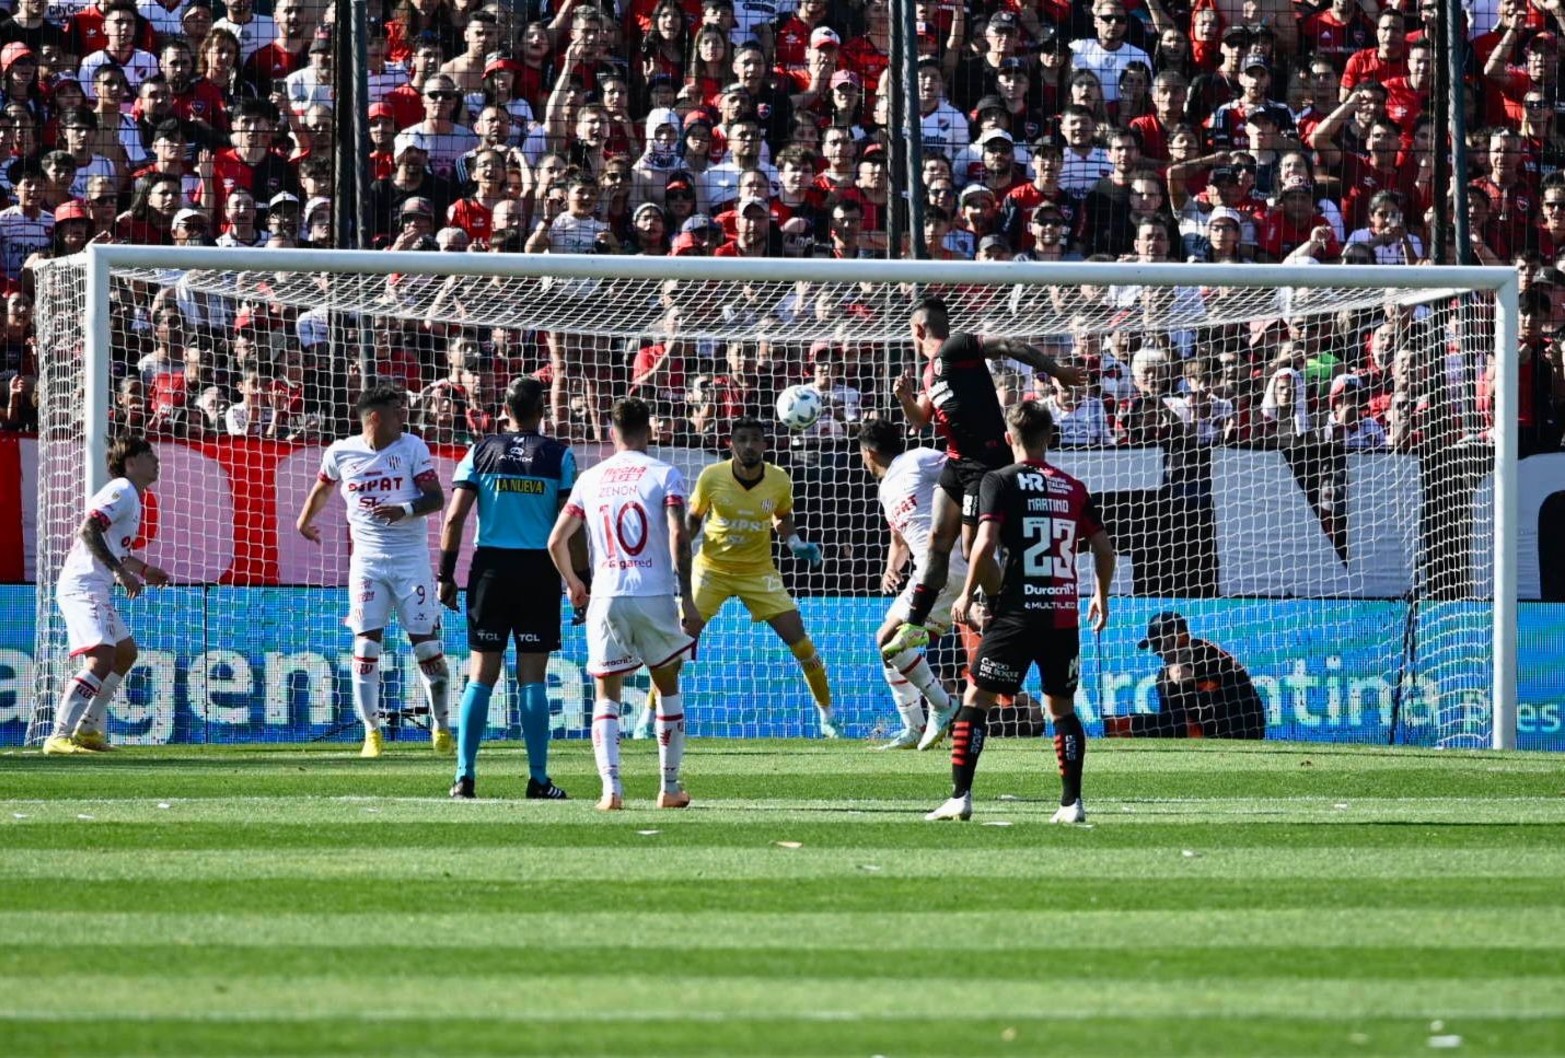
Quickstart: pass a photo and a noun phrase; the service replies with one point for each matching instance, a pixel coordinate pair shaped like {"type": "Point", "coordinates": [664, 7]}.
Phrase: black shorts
{"type": "Point", "coordinates": [1012, 645]}
{"type": "Point", "coordinates": [513, 594]}
{"type": "Point", "coordinates": [960, 480]}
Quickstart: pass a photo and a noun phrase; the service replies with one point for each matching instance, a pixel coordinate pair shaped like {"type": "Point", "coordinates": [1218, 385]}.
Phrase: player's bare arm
{"type": "Point", "coordinates": [1032, 356]}
{"type": "Point", "coordinates": [1103, 562]}
{"type": "Point", "coordinates": [91, 534]}
{"type": "Point", "coordinates": [896, 559]}
{"type": "Point", "coordinates": [679, 547]}
{"type": "Point", "coordinates": [915, 406]}
{"type": "Point", "coordinates": [451, 544]}
{"type": "Point", "coordinates": [983, 572]}
{"type": "Point", "coordinates": [319, 494]}
{"type": "Point", "coordinates": [566, 526]}
{"type": "Point", "coordinates": [431, 498]}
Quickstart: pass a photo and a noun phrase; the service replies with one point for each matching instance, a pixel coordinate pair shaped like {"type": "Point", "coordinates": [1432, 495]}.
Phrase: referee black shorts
{"type": "Point", "coordinates": [513, 595]}
{"type": "Point", "coordinates": [960, 480]}
{"type": "Point", "coordinates": [1013, 644]}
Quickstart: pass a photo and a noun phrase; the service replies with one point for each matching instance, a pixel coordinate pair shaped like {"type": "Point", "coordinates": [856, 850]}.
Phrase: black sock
{"type": "Point", "coordinates": [967, 743]}
{"type": "Point", "coordinates": [1070, 747]}
{"type": "Point", "coordinates": [923, 601]}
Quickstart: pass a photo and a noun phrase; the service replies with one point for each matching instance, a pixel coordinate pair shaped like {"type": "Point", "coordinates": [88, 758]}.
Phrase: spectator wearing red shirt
{"type": "Point", "coordinates": [1024, 201]}
{"type": "Point", "coordinates": [474, 213]}
{"type": "Point", "coordinates": [196, 101]}
{"type": "Point", "coordinates": [407, 100]}
{"type": "Point", "coordinates": [754, 233]}
{"type": "Point", "coordinates": [85, 34]}
{"type": "Point", "coordinates": [273, 62]}
{"type": "Point", "coordinates": [1509, 85]}
{"type": "Point", "coordinates": [1513, 200]}
{"type": "Point", "coordinates": [869, 54]}
{"type": "Point", "coordinates": [809, 82]}
{"type": "Point", "coordinates": [1170, 91]}
{"type": "Point", "coordinates": [250, 163]}
{"type": "Point", "coordinates": [1337, 32]}
{"type": "Point", "coordinates": [794, 32]}
{"type": "Point", "coordinates": [1408, 96]}
{"type": "Point", "coordinates": [1387, 59]}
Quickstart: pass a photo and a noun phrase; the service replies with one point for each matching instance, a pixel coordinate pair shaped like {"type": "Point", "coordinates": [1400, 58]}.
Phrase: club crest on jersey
{"type": "Point", "coordinates": [395, 462]}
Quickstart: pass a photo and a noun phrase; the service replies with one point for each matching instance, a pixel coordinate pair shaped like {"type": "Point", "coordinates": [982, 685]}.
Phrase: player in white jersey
{"type": "Point", "coordinates": [98, 559]}
{"type": "Point", "coordinates": [632, 508]}
{"type": "Point", "coordinates": [908, 480]}
{"type": "Point", "coordinates": [389, 483]}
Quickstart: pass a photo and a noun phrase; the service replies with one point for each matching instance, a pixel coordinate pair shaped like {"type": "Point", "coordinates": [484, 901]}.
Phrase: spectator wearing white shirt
{"type": "Point", "coordinates": [253, 30]}
{"type": "Point", "coordinates": [25, 228]}
{"type": "Point", "coordinates": [1209, 418]}
{"type": "Point", "coordinates": [1109, 54]}
{"type": "Point", "coordinates": [1387, 233]}
{"type": "Point", "coordinates": [1080, 417]}
{"type": "Point", "coordinates": [119, 28]}
{"type": "Point", "coordinates": [945, 128]}
{"type": "Point", "coordinates": [1083, 163]}
{"type": "Point", "coordinates": [312, 86]}
{"type": "Point", "coordinates": [1348, 422]}
{"type": "Point", "coordinates": [167, 18]}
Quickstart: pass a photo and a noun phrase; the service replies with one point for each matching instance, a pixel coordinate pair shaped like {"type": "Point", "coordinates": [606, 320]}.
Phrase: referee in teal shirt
{"type": "Point", "coordinates": [518, 480]}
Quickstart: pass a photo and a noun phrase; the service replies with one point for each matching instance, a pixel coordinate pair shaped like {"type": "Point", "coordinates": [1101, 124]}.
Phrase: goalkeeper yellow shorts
{"type": "Point", "coordinates": [762, 593]}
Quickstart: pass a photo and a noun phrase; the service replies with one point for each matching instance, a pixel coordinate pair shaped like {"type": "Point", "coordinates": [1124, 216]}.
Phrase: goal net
{"type": "Point", "coordinates": [1310, 466]}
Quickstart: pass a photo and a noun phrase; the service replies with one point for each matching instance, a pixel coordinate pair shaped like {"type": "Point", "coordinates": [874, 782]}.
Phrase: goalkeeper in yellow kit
{"type": "Point", "coordinates": [740, 501]}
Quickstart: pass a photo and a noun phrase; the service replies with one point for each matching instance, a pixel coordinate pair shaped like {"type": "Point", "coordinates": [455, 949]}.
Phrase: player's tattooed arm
{"type": "Point", "coordinates": [97, 545]}
{"type": "Point", "coordinates": [431, 498]}
{"type": "Point", "coordinates": [1034, 357]}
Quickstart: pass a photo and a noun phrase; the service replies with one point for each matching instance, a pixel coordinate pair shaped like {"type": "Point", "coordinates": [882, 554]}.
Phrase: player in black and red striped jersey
{"type": "Point", "coordinates": [959, 397]}
{"type": "Point", "coordinates": [1040, 516]}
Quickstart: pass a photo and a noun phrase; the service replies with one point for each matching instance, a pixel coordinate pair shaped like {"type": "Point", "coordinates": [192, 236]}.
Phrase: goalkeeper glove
{"type": "Point", "coordinates": [809, 554]}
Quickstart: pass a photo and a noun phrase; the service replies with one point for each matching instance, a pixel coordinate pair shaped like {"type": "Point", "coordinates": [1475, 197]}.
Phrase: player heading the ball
{"type": "Point", "coordinates": [632, 508]}
{"type": "Point", "coordinates": [388, 481]}
{"type": "Point", "coordinates": [1040, 516]}
{"type": "Point", "coordinates": [99, 558]}
{"type": "Point", "coordinates": [959, 397]}
{"type": "Point", "coordinates": [518, 481]}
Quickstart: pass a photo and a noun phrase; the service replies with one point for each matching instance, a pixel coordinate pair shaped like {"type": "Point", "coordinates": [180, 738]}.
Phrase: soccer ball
{"type": "Point", "coordinates": [798, 407]}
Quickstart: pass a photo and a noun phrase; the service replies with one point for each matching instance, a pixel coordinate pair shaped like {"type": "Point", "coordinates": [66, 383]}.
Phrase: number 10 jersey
{"type": "Point", "coordinates": [623, 502]}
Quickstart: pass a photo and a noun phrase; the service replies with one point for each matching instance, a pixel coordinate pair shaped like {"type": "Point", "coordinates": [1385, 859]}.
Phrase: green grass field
{"type": "Point", "coordinates": [1259, 900]}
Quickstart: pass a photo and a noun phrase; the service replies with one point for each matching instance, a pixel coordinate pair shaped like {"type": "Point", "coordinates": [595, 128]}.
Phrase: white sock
{"type": "Point", "coordinates": [910, 704]}
{"type": "Point", "coordinates": [914, 667]}
{"type": "Point", "coordinates": [435, 676]}
{"type": "Point", "coordinates": [95, 721]}
{"type": "Point", "coordinates": [605, 744]}
{"type": "Point", "coordinates": [75, 698]}
{"type": "Point", "coordinates": [671, 739]}
{"type": "Point", "coordinates": [366, 682]}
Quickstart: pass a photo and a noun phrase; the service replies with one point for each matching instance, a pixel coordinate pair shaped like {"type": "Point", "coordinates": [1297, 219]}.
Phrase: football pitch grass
{"type": "Point", "coordinates": [1259, 900]}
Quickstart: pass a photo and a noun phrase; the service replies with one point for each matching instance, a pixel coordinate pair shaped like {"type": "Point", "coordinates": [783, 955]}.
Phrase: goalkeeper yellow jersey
{"type": "Point", "coordinates": [738, 531]}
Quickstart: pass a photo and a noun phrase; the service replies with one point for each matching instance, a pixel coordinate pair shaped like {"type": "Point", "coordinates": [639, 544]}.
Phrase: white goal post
{"type": "Point", "coordinates": [1443, 640]}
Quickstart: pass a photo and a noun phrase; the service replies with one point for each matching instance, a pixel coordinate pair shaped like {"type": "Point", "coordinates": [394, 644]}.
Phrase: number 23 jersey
{"type": "Point", "coordinates": [1043, 515]}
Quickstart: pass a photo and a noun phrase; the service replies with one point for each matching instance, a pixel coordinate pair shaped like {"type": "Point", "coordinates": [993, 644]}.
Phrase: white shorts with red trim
{"type": "Point", "coordinates": [378, 587]}
{"type": "Point", "coordinates": [91, 620]}
{"type": "Point", "coordinates": [625, 632]}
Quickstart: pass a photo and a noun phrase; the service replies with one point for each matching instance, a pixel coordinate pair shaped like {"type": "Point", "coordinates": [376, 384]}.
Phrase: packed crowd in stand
{"type": "Point", "coordinates": [1106, 130]}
